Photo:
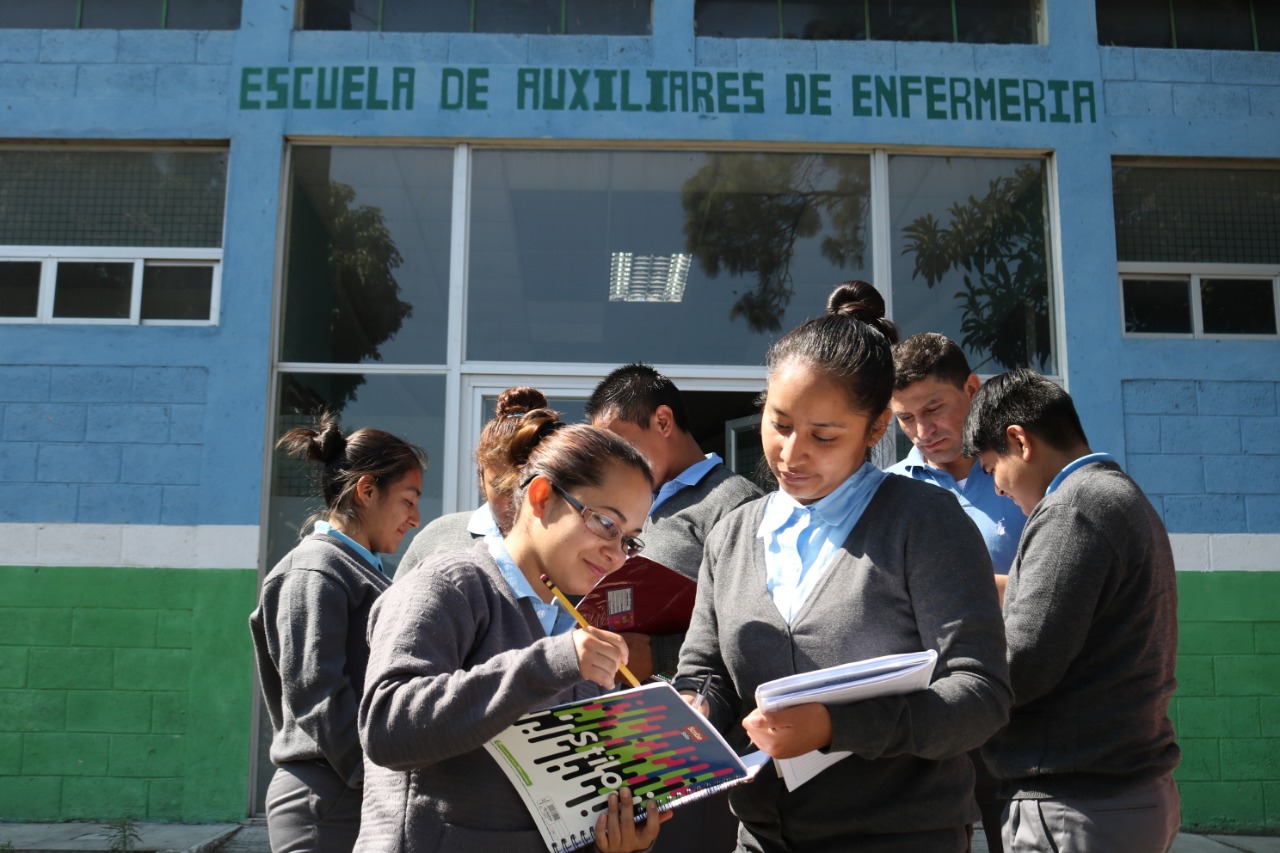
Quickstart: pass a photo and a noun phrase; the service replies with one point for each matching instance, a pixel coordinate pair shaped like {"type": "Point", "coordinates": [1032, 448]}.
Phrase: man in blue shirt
{"type": "Point", "coordinates": [932, 390]}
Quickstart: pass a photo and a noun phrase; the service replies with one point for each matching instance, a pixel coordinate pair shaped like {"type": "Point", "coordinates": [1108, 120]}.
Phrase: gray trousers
{"type": "Point", "coordinates": [310, 809]}
{"type": "Point", "coordinates": [1145, 819]}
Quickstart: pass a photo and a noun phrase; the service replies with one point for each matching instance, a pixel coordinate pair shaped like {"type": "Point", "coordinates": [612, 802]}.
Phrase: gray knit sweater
{"type": "Point", "coordinates": [309, 644]}
{"type": "Point", "coordinates": [1091, 616]}
{"type": "Point", "coordinates": [455, 659]}
{"type": "Point", "coordinates": [675, 532]}
{"type": "Point", "coordinates": [913, 574]}
{"type": "Point", "coordinates": [444, 534]}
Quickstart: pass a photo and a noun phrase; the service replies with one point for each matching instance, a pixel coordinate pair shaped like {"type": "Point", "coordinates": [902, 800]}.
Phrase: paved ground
{"type": "Point", "coordinates": [251, 837]}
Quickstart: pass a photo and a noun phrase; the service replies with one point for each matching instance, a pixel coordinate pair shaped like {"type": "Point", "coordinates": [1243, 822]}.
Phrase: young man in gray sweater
{"type": "Point", "coordinates": [695, 491]}
{"type": "Point", "coordinates": [1090, 614]}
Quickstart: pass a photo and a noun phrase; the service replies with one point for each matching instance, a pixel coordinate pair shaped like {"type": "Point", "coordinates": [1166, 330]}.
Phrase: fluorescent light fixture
{"type": "Point", "coordinates": [648, 278]}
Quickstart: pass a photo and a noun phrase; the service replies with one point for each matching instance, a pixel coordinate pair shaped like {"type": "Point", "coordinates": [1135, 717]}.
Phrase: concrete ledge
{"type": "Point", "coordinates": [94, 837]}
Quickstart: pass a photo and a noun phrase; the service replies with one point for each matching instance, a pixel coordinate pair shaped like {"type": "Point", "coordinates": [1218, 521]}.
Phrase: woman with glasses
{"type": "Point", "coordinates": [469, 642]}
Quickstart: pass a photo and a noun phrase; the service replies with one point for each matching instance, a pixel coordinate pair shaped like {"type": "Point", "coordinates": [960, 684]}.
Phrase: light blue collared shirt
{"type": "Point", "coordinates": [998, 518]}
{"type": "Point", "coordinates": [482, 522]}
{"type": "Point", "coordinates": [369, 557]}
{"type": "Point", "coordinates": [800, 540]}
{"type": "Point", "coordinates": [690, 476]}
{"type": "Point", "coordinates": [554, 618]}
{"type": "Point", "coordinates": [1075, 465]}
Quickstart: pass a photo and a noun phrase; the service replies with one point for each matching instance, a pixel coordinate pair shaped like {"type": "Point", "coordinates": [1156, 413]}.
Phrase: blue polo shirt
{"type": "Point", "coordinates": [690, 476]}
{"type": "Point", "coordinates": [998, 518]}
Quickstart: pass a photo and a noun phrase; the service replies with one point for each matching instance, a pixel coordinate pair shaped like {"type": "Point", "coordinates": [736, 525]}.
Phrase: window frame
{"type": "Point", "coordinates": [50, 256]}
{"type": "Point", "coordinates": [1192, 274]}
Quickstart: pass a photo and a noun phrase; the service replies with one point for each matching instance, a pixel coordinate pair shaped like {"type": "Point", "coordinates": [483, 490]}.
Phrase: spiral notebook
{"type": "Point", "coordinates": [889, 675]}
{"type": "Point", "coordinates": [566, 760]}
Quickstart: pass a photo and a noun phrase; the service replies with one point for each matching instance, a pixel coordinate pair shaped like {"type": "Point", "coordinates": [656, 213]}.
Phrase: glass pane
{"type": "Point", "coordinates": [996, 21]}
{"type": "Point", "coordinates": [911, 20]}
{"type": "Point", "coordinates": [122, 14]}
{"type": "Point", "coordinates": [684, 257]}
{"type": "Point", "coordinates": [1238, 306]}
{"type": "Point", "coordinates": [367, 264]}
{"type": "Point", "coordinates": [736, 18]}
{"type": "Point", "coordinates": [1267, 17]}
{"type": "Point", "coordinates": [1157, 306]}
{"type": "Point", "coordinates": [1197, 215]}
{"type": "Point", "coordinates": [1134, 23]}
{"type": "Point", "coordinates": [112, 198]}
{"type": "Point", "coordinates": [19, 288]}
{"type": "Point", "coordinates": [204, 15]}
{"type": "Point", "coordinates": [824, 19]}
{"type": "Point", "coordinates": [47, 14]}
{"type": "Point", "coordinates": [1215, 25]}
{"type": "Point", "coordinates": [360, 15]}
{"type": "Point", "coordinates": [608, 17]}
{"type": "Point", "coordinates": [971, 257]}
{"type": "Point", "coordinates": [438, 16]}
{"type": "Point", "coordinates": [96, 289]}
{"type": "Point", "coordinates": [411, 407]}
{"type": "Point", "coordinates": [518, 16]}
{"type": "Point", "coordinates": [176, 293]}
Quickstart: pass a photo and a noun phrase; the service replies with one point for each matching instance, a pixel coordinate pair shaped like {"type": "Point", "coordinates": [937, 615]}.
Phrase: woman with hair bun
{"type": "Point", "coordinates": [520, 420]}
{"type": "Point", "coordinates": [468, 643]}
{"type": "Point", "coordinates": [844, 563]}
{"type": "Point", "coordinates": [309, 630]}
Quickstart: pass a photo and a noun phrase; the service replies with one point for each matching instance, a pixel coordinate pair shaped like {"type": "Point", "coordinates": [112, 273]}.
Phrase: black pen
{"type": "Point", "coordinates": [701, 698]}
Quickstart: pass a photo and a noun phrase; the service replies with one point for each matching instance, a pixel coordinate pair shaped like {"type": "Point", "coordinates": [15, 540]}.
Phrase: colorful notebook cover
{"type": "Point", "coordinates": [566, 760]}
{"type": "Point", "coordinates": [643, 597]}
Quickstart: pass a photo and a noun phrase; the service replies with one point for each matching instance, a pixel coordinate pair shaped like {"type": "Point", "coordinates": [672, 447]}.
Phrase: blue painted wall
{"type": "Point", "coordinates": [207, 438]}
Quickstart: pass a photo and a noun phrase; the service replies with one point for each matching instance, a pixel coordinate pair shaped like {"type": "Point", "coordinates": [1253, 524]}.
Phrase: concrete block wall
{"type": "Point", "coordinates": [101, 445]}
{"type": "Point", "coordinates": [1207, 453]}
{"type": "Point", "coordinates": [124, 693]}
{"type": "Point", "coordinates": [1227, 708]}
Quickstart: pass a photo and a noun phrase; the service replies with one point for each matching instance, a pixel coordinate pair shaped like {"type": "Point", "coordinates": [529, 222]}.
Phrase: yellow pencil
{"type": "Point", "coordinates": [573, 611]}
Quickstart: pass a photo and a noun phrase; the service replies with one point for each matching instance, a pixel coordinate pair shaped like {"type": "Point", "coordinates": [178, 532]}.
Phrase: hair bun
{"type": "Point", "coordinates": [330, 443]}
{"type": "Point", "coordinates": [861, 301]}
{"type": "Point", "coordinates": [856, 299]}
{"type": "Point", "coordinates": [519, 400]}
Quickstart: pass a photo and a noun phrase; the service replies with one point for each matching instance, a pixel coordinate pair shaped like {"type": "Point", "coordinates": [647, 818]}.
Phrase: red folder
{"type": "Point", "coordinates": [642, 597]}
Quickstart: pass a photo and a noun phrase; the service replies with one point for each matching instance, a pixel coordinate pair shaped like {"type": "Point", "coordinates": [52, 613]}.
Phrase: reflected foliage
{"type": "Point", "coordinates": [745, 212]}
{"type": "Point", "coordinates": [366, 309]}
{"type": "Point", "coordinates": [997, 242]}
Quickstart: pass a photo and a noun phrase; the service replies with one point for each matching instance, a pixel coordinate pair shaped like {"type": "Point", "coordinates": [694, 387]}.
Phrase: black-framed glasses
{"type": "Point", "coordinates": [600, 524]}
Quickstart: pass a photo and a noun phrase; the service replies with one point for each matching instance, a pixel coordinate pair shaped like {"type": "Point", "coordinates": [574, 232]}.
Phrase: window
{"type": "Point", "coordinates": [122, 14]}
{"type": "Point", "coordinates": [1211, 305]}
{"type": "Point", "coordinates": [1195, 24]}
{"type": "Point", "coordinates": [579, 256]}
{"type": "Point", "coordinates": [973, 237]}
{"type": "Point", "coordinates": [1197, 249]}
{"type": "Point", "coordinates": [111, 236]}
{"type": "Point", "coordinates": [970, 21]}
{"type": "Point", "coordinates": [569, 17]}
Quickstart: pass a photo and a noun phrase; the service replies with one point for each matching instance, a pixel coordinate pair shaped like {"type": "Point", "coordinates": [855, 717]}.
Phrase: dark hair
{"type": "Point", "coordinates": [929, 355]}
{"type": "Point", "coordinates": [852, 343]}
{"type": "Point", "coordinates": [579, 455]}
{"type": "Point", "coordinates": [372, 452]}
{"type": "Point", "coordinates": [634, 392]}
{"type": "Point", "coordinates": [1025, 398]}
{"type": "Point", "coordinates": [520, 420]}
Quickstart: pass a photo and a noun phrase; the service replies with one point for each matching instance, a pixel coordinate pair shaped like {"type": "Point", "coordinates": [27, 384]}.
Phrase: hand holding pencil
{"type": "Point", "coordinates": [601, 654]}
